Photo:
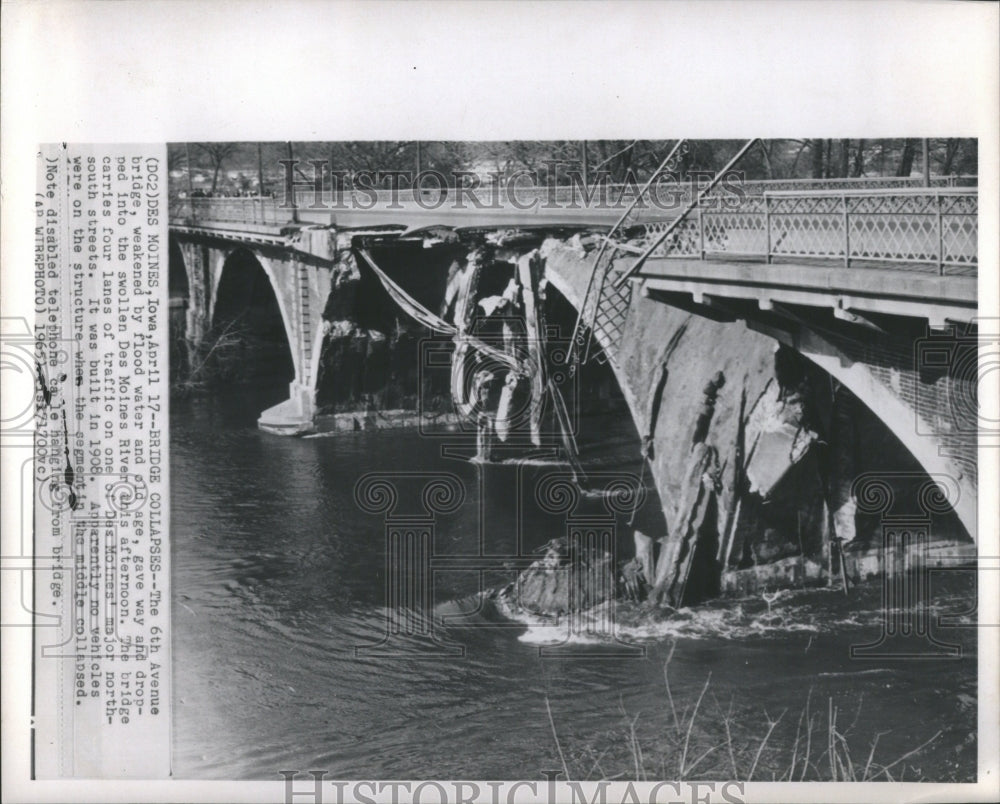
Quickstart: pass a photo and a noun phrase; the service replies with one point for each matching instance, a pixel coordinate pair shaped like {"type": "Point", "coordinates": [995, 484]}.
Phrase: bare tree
{"type": "Point", "coordinates": [765, 149]}
{"type": "Point", "coordinates": [845, 155]}
{"type": "Point", "coordinates": [217, 152]}
{"type": "Point", "coordinates": [954, 155]}
{"type": "Point", "coordinates": [816, 151]}
{"type": "Point", "coordinates": [859, 159]}
{"type": "Point", "coordinates": [176, 157]}
{"type": "Point", "coordinates": [906, 160]}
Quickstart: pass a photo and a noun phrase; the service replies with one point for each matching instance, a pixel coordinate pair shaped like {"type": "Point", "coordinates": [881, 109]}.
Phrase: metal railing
{"type": "Point", "coordinates": [252, 211]}
{"type": "Point", "coordinates": [605, 315]}
{"type": "Point", "coordinates": [666, 196]}
{"type": "Point", "coordinates": [919, 229]}
{"type": "Point", "coordinates": [759, 187]}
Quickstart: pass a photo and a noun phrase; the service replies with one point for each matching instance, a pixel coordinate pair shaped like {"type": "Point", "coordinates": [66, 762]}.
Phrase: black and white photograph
{"type": "Point", "coordinates": [490, 402]}
{"type": "Point", "coordinates": [591, 457]}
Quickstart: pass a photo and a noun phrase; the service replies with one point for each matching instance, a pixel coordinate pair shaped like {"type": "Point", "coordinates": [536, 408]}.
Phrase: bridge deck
{"type": "Point", "coordinates": [845, 249]}
{"type": "Point", "coordinates": [911, 229]}
{"type": "Point", "coordinates": [855, 289]}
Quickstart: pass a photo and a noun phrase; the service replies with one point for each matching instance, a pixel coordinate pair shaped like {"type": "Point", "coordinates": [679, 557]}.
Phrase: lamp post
{"type": "Point", "coordinates": [260, 170]}
{"type": "Point", "coordinates": [295, 207]}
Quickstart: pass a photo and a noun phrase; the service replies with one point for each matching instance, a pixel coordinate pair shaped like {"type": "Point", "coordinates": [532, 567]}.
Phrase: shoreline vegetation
{"type": "Point", "coordinates": [706, 740]}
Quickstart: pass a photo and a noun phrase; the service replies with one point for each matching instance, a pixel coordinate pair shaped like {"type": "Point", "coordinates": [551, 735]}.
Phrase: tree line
{"type": "Point", "coordinates": [249, 168]}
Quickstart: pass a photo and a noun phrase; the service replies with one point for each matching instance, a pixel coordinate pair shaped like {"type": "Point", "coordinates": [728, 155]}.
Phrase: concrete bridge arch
{"type": "Point", "coordinates": [892, 394]}
{"type": "Point", "coordinates": [242, 260]}
{"type": "Point", "coordinates": [885, 380]}
{"type": "Point", "coordinates": [301, 280]}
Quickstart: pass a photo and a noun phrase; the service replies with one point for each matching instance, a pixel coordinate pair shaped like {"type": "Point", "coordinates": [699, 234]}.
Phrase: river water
{"type": "Point", "coordinates": [278, 576]}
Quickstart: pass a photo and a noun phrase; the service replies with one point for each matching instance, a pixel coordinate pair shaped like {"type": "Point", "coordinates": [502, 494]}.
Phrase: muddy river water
{"type": "Point", "coordinates": [278, 576]}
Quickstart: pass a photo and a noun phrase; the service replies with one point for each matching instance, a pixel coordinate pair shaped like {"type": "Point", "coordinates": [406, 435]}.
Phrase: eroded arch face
{"type": "Point", "coordinates": [248, 329]}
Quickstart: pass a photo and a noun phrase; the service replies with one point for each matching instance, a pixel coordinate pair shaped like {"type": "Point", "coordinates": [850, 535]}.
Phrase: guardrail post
{"type": "Point", "coordinates": [767, 226]}
{"type": "Point", "coordinates": [847, 233]}
{"type": "Point", "coordinates": [701, 228]}
{"type": "Point", "coordinates": [940, 234]}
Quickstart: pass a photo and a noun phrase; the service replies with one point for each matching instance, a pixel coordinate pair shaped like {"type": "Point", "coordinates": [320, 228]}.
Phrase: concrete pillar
{"type": "Point", "coordinates": [199, 313]}
{"type": "Point", "coordinates": [302, 289]}
{"type": "Point", "coordinates": [843, 449]}
{"type": "Point", "coordinates": [644, 552]}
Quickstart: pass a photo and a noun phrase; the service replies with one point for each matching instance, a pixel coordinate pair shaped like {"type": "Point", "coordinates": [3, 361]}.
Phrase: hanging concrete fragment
{"type": "Point", "coordinates": [646, 569]}
{"type": "Point", "coordinates": [780, 428]}
{"type": "Point", "coordinates": [565, 580]}
{"type": "Point", "coordinates": [482, 385]}
{"type": "Point", "coordinates": [694, 520]}
{"type": "Point", "coordinates": [503, 419]}
{"type": "Point", "coordinates": [844, 447]}
{"type": "Point", "coordinates": [529, 268]}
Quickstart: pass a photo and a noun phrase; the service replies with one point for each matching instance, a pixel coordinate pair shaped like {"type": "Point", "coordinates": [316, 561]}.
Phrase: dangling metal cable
{"type": "Point", "coordinates": [637, 265]}
{"type": "Point", "coordinates": [576, 339]}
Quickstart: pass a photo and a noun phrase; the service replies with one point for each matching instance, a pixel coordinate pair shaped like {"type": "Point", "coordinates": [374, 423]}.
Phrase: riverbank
{"type": "Point", "coordinates": [861, 566]}
{"type": "Point", "coordinates": [333, 424]}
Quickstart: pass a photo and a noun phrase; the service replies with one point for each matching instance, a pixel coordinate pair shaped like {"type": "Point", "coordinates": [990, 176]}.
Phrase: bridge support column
{"type": "Point", "coordinates": [198, 264]}
{"type": "Point", "coordinates": [294, 416]}
{"type": "Point", "coordinates": [302, 288]}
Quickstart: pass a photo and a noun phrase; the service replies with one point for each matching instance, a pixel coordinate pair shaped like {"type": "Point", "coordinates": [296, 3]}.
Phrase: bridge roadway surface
{"type": "Point", "coordinates": [908, 252]}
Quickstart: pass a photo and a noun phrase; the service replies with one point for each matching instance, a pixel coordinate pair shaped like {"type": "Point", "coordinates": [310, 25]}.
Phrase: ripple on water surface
{"type": "Point", "coordinates": [278, 577]}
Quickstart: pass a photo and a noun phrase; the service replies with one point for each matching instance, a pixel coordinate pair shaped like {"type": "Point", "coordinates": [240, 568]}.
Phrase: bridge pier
{"type": "Point", "coordinates": [294, 416]}
{"type": "Point", "coordinates": [197, 263]}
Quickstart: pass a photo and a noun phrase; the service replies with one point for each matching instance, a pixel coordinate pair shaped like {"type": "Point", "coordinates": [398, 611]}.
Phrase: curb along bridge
{"type": "Point", "coordinates": [871, 279]}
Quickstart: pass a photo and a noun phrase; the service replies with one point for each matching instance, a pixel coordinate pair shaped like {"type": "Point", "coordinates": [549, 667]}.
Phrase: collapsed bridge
{"type": "Point", "coordinates": [831, 312]}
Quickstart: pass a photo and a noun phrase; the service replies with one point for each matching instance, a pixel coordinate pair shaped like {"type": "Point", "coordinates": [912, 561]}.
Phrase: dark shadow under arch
{"type": "Point", "coordinates": [247, 328]}
{"type": "Point", "coordinates": [606, 430]}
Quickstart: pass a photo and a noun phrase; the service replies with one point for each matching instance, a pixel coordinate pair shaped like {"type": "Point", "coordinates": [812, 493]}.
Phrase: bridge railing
{"type": "Point", "coordinates": [666, 196]}
{"type": "Point", "coordinates": [253, 211]}
{"type": "Point", "coordinates": [926, 229]}
{"type": "Point", "coordinates": [759, 187]}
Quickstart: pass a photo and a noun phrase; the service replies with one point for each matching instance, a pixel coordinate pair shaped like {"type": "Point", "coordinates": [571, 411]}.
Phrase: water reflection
{"type": "Point", "coordinates": [278, 575]}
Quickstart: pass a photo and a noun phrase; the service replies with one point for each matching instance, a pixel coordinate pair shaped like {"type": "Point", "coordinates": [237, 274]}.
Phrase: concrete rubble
{"type": "Point", "coordinates": [751, 450]}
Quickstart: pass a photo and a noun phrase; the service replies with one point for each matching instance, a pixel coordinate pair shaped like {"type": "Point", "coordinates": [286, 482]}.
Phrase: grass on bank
{"type": "Point", "coordinates": [702, 742]}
